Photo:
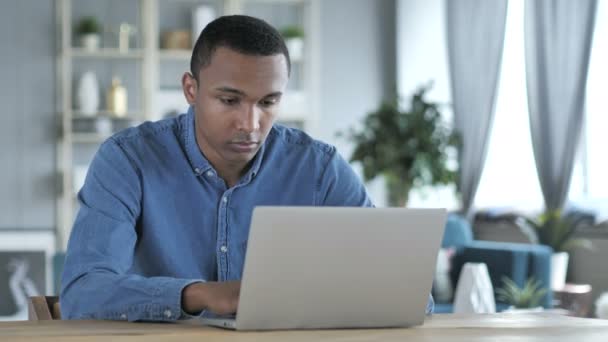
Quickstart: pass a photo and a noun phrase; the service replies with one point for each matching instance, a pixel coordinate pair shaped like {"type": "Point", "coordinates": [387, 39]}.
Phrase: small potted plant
{"type": "Point", "coordinates": [88, 31]}
{"type": "Point", "coordinates": [294, 39]}
{"type": "Point", "coordinates": [527, 298]}
{"type": "Point", "coordinates": [557, 231]}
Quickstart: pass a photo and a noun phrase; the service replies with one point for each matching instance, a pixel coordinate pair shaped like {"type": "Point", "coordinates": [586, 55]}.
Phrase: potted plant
{"type": "Point", "coordinates": [557, 231]}
{"type": "Point", "coordinates": [88, 31]}
{"type": "Point", "coordinates": [294, 40]}
{"type": "Point", "coordinates": [528, 297]}
{"type": "Point", "coordinates": [411, 148]}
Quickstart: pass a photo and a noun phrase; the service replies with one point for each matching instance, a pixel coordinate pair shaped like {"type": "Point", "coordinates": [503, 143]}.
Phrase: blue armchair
{"type": "Point", "coordinates": [517, 261]}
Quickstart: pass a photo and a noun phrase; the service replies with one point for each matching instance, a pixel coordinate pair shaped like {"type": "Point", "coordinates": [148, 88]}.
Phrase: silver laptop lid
{"type": "Point", "coordinates": [330, 267]}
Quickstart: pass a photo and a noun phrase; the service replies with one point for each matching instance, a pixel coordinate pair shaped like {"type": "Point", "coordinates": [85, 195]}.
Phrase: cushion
{"type": "Point", "coordinates": [443, 289]}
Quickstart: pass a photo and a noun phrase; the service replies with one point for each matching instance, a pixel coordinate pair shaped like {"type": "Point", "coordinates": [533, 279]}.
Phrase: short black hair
{"type": "Point", "coordinates": [242, 33]}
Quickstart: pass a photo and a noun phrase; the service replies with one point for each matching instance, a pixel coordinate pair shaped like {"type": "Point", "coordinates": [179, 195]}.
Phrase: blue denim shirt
{"type": "Point", "coordinates": [155, 217]}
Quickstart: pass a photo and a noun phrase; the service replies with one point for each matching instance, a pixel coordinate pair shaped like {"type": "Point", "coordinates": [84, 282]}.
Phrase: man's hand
{"type": "Point", "coordinates": [221, 298]}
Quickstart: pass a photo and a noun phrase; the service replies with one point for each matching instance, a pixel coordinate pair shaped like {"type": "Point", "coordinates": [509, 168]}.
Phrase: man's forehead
{"type": "Point", "coordinates": [228, 60]}
{"type": "Point", "coordinates": [259, 75]}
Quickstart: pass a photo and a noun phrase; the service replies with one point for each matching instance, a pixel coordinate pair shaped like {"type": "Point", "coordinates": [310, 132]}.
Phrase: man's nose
{"type": "Point", "coordinates": [249, 119]}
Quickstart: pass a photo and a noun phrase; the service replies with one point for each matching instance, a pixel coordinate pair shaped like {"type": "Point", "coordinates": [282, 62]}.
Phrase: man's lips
{"type": "Point", "coordinates": [244, 146]}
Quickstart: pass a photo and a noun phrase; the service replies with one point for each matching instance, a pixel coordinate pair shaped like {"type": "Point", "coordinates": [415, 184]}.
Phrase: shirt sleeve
{"type": "Point", "coordinates": [430, 306]}
{"type": "Point", "coordinates": [95, 283]}
{"type": "Point", "coordinates": [339, 185]}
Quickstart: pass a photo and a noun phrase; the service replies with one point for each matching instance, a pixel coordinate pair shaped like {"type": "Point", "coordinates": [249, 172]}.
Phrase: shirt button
{"type": "Point", "coordinates": [197, 170]}
{"type": "Point", "coordinates": [209, 173]}
{"type": "Point", "coordinates": [168, 313]}
{"type": "Point", "coordinates": [123, 316]}
{"type": "Point", "coordinates": [225, 199]}
{"type": "Point", "coordinates": [224, 249]}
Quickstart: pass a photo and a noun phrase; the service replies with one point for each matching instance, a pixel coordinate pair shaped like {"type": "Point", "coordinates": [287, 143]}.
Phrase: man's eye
{"type": "Point", "coordinates": [229, 101]}
{"type": "Point", "coordinates": [268, 103]}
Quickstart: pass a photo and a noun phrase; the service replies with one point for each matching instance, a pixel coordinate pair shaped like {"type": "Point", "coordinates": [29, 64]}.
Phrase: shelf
{"type": "Point", "coordinates": [106, 53]}
{"type": "Point", "coordinates": [176, 55]}
{"type": "Point", "coordinates": [280, 2]}
{"type": "Point", "coordinates": [89, 138]}
{"type": "Point", "coordinates": [76, 115]}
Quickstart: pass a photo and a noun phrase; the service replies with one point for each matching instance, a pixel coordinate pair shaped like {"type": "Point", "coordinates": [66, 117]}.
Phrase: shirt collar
{"type": "Point", "coordinates": [197, 159]}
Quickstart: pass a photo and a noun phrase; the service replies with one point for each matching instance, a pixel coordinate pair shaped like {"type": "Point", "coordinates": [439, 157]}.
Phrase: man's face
{"type": "Point", "coordinates": [236, 100]}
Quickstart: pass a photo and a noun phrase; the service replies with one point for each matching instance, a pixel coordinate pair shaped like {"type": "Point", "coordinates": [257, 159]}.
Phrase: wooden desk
{"type": "Point", "coordinates": [452, 328]}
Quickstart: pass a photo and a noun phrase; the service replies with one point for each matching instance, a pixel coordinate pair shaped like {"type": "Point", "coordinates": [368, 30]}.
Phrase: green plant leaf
{"type": "Point", "coordinates": [413, 145]}
{"type": "Point", "coordinates": [88, 25]}
{"type": "Point", "coordinates": [292, 32]}
{"type": "Point", "coordinates": [527, 297]}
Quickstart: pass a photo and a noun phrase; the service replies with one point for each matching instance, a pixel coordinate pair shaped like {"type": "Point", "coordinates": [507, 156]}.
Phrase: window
{"type": "Point", "coordinates": [590, 179]}
{"type": "Point", "coordinates": [509, 176]}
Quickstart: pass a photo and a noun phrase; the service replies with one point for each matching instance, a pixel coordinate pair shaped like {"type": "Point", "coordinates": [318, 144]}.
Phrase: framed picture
{"type": "Point", "coordinates": [25, 259]}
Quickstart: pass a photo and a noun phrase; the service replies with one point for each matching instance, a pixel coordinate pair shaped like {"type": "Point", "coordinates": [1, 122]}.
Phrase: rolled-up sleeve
{"type": "Point", "coordinates": [95, 282]}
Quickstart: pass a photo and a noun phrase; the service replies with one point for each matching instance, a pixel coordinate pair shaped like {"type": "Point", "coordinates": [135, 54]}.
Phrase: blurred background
{"type": "Point", "coordinates": [492, 109]}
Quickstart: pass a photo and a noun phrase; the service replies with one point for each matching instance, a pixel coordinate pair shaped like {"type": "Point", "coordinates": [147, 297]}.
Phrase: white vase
{"type": "Point", "coordinates": [474, 292]}
{"type": "Point", "coordinates": [295, 47]}
{"type": "Point", "coordinates": [201, 16]}
{"type": "Point", "coordinates": [559, 269]}
{"type": "Point", "coordinates": [90, 41]}
{"type": "Point", "coordinates": [87, 94]}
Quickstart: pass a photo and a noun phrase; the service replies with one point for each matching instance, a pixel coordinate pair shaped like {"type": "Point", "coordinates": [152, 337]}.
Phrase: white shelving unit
{"type": "Point", "coordinates": [147, 61]}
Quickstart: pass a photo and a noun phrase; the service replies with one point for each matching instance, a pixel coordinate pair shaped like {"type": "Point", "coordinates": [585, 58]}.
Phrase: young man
{"type": "Point", "coordinates": [165, 209]}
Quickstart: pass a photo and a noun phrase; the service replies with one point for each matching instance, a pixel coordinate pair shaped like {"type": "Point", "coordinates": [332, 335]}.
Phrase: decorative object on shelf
{"type": "Point", "coordinates": [557, 231]}
{"type": "Point", "coordinates": [117, 98]}
{"type": "Point", "coordinates": [88, 30]}
{"type": "Point", "coordinates": [601, 306]}
{"type": "Point", "coordinates": [201, 16]}
{"type": "Point", "coordinates": [521, 298]}
{"type": "Point", "coordinates": [87, 94]}
{"type": "Point", "coordinates": [24, 273]}
{"type": "Point", "coordinates": [176, 40]}
{"type": "Point", "coordinates": [411, 149]}
{"type": "Point", "coordinates": [474, 292]}
{"type": "Point", "coordinates": [294, 39]}
{"type": "Point", "coordinates": [125, 31]}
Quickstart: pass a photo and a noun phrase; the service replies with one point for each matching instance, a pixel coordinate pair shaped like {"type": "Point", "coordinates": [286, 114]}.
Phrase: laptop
{"type": "Point", "coordinates": [336, 267]}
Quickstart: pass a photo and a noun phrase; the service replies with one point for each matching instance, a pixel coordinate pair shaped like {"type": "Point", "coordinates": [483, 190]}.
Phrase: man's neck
{"type": "Point", "coordinates": [231, 174]}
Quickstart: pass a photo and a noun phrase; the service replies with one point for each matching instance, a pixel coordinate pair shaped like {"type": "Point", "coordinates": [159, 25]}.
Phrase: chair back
{"type": "Point", "coordinates": [41, 308]}
{"type": "Point", "coordinates": [457, 233]}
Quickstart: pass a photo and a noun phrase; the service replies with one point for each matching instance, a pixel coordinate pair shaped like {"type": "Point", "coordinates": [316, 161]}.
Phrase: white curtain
{"type": "Point", "coordinates": [475, 37]}
{"type": "Point", "coordinates": [558, 35]}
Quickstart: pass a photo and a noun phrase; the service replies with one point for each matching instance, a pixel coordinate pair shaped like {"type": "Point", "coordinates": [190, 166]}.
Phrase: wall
{"type": "Point", "coordinates": [27, 126]}
{"type": "Point", "coordinates": [357, 68]}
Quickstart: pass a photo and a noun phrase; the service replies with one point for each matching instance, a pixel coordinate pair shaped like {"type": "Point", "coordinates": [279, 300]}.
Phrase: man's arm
{"type": "Point", "coordinates": [100, 252]}
{"type": "Point", "coordinates": [340, 186]}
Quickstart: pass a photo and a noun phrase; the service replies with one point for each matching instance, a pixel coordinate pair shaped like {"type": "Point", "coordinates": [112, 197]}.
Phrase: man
{"type": "Point", "coordinates": [165, 209]}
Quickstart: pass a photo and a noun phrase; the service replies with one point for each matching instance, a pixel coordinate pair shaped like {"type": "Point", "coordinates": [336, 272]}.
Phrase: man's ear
{"type": "Point", "coordinates": [190, 87]}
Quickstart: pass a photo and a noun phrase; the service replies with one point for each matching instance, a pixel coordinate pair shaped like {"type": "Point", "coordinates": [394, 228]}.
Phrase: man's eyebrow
{"type": "Point", "coordinates": [241, 93]}
{"type": "Point", "coordinates": [231, 90]}
{"type": "Point", "coordinates": [275, 94]}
